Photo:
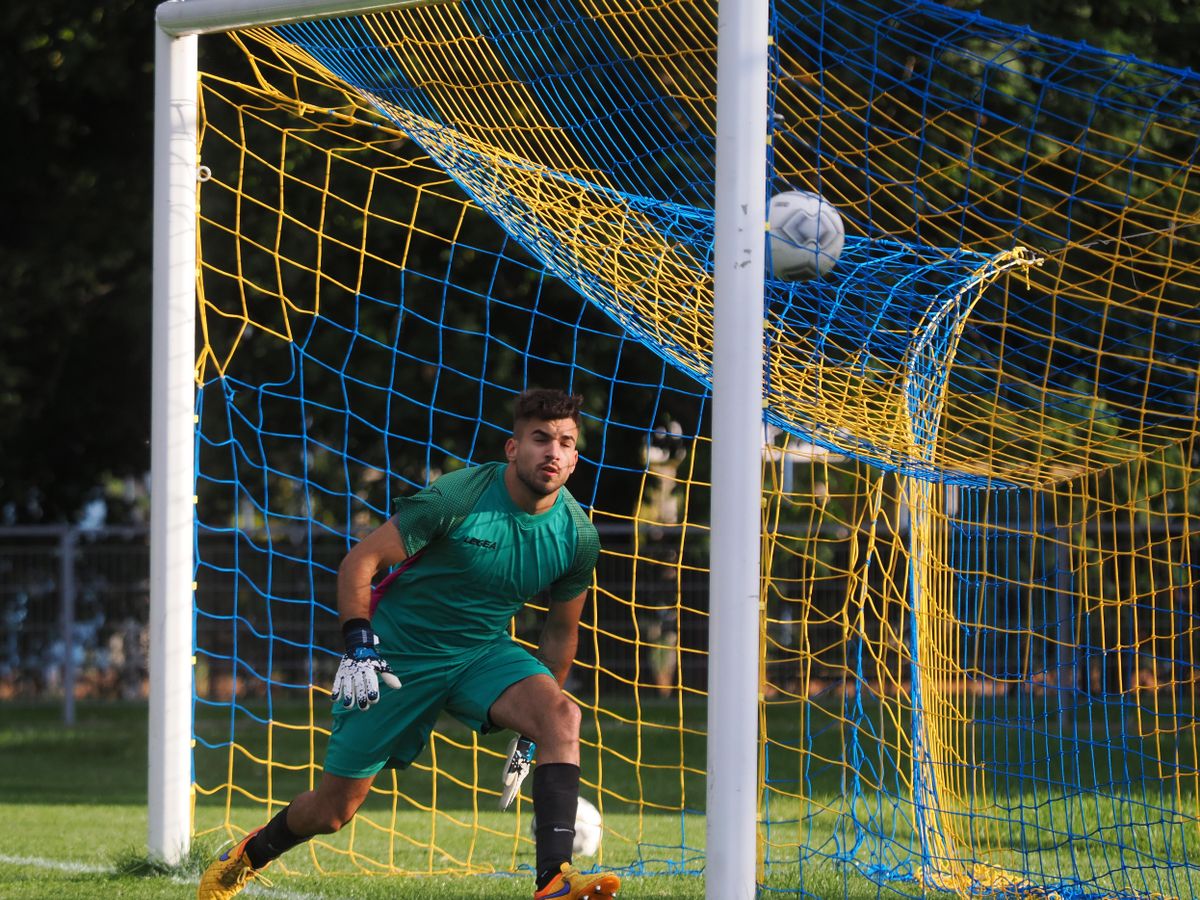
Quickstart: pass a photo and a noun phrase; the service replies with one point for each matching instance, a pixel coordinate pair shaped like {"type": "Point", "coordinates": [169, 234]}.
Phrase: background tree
{"type": "Point", "coordinates": [75, 267]}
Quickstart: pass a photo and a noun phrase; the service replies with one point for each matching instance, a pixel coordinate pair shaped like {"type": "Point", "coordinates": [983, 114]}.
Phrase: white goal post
{"type": "Point", "coordinates": [742, 53]}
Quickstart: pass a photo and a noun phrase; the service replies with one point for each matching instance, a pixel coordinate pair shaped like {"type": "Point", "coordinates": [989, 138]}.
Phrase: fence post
{"type": "Point", "coordinates": [67, 542]}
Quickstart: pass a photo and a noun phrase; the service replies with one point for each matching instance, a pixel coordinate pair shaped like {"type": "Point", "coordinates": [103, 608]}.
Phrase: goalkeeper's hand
{"type": "Point", "coordinates": [516, 767]}
{"type": "Point", "coordinates": [361, 668]}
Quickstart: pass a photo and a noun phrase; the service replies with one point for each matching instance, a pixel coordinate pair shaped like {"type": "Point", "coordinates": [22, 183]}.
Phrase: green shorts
{"type": "Point", "coordinates": [395, 730]}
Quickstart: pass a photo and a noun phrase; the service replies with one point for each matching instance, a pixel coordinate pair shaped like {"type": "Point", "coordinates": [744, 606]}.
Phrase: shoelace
{"type": "Point", "coordinates": [243, 873]}
{"type": "Point", "coordinates": [246, 873]}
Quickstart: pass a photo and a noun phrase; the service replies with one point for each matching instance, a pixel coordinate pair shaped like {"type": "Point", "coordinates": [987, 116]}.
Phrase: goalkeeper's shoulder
{"type": "Point", "coordinates": [456, 492]}
{"type": "Point", "coordinates": [436, 510]}
{"type": "Point", "coordinates": [466, 478]}
{"type": "Point", "coordinates": [587, 538]}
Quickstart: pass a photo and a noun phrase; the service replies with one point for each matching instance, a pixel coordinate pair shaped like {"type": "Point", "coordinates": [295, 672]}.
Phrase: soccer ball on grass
{"type": "Point", "coordinates": [806, 235]}
{"type": "Point", "coordinates": [588, 829]}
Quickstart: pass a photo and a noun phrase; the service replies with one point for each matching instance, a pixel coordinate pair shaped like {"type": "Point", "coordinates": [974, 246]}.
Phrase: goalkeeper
{"type": "Point", "coordinates": [468, 552]}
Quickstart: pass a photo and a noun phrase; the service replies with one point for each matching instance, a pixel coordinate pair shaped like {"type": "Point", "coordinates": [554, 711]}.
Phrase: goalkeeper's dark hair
{"type": "Point", "coordinates": [546, 405]}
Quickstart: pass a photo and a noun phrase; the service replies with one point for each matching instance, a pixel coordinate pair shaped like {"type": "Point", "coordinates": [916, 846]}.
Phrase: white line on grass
{"type": "Point", "coordinates": [62, 865]}
{"type": "Point", "coordinates": [276, 893]}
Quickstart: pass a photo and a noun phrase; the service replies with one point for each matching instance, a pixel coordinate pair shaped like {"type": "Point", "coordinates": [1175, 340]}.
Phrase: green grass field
{"type": "Point", "coordinates": [73, 824]}
{"type": "Point", "coordinates": [73, 819]}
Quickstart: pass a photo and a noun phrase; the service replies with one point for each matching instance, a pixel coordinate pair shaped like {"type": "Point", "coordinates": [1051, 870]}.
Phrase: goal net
{"type": "Point", "coordinates": [979, 461]}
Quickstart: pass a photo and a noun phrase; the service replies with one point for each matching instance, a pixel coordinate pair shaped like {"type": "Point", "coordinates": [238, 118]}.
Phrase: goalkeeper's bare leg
{"type": "Point", "coordinates": [323, 811]}
{"type": "Point", "coordinates": [537, 708]}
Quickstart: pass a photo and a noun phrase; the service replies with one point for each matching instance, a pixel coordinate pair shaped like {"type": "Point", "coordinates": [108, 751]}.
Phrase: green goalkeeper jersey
{"type": "Point", "coordinates": [474, 559]}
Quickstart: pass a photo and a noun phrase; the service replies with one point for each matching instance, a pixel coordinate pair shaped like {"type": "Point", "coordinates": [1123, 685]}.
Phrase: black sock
{"type": "Point", "coordinates": [274, 840]}
{"type": "Point", "coordinates": [555, 802]}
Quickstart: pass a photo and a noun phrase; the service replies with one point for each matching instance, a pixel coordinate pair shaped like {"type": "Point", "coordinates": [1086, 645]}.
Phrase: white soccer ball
{"type": "Point", "coordinates": [807, 235]}
{"type": "Point", "coordinates": [588, 829]}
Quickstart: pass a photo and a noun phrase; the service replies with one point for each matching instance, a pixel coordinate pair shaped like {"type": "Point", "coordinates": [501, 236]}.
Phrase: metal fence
{"type": "Point", "coordinates": [74, 613]}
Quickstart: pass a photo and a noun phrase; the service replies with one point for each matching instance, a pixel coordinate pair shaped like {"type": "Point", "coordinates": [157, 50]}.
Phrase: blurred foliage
{"type": "Point", "coordinates": [75, 271]}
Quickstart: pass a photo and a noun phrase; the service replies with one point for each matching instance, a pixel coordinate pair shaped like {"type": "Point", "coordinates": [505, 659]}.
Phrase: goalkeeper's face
{"type": "Point", "coordinates": [543, 453]}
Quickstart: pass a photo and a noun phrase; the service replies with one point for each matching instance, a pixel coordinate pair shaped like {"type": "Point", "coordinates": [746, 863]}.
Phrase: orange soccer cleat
{"type": "Point", "coordinates": [571, 884]}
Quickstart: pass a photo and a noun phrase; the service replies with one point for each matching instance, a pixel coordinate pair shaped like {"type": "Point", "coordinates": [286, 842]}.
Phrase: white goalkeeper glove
{"type": "Point", "coordinates": [516, 767]}
{"type": "Point", "coordinates": [361, 668]}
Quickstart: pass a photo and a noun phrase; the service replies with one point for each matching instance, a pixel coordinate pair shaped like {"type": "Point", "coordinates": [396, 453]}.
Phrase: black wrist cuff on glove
{"type": "Point", "coordinates": [357, 633]}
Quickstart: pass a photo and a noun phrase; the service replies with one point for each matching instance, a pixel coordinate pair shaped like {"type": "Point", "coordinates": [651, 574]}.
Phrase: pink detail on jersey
{"type": "Point", "coordinates": [380, 589]}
